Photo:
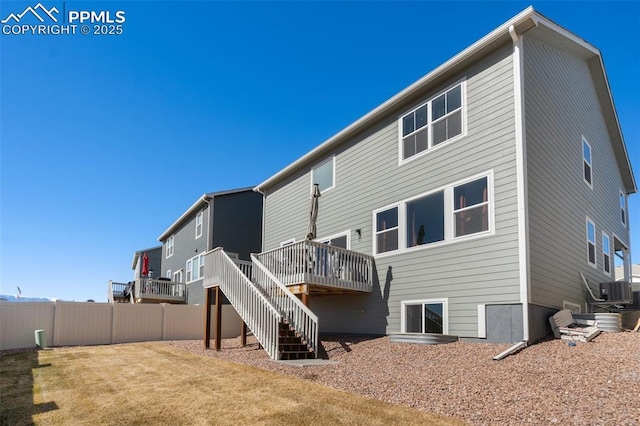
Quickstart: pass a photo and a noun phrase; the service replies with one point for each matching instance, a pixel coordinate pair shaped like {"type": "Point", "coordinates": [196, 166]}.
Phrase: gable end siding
{"type": "Point", "coordinates": [186, 246]}
{"type": "Point", "coordinates": [561, 106]}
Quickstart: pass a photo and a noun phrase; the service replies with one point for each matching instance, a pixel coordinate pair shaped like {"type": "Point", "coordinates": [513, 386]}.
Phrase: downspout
{"type": "Point", "coordinates": [264, 207]}
{"type": "Point", "coordinates": [521, 178]}
{"type": "Point", "coordinates": [209, 213]}
{"type": "Point", "coordinates": [628, 268]}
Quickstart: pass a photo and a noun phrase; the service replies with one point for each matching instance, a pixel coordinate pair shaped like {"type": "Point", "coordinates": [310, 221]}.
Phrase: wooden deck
{"type": "Point", "coordinates": [313, 268]}
{"type": "Point", "coordinates": [313, 289]}
{"type": "Point", "coordinates": [147, 290]}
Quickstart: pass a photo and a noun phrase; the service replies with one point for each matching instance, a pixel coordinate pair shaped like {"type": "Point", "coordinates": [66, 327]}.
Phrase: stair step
{"type": "Point", "coordinates": [289, 340]}
{"type": "Point", "coordinates": [294, 347]}
{"type": "Point", "coordinates": [290, 355]}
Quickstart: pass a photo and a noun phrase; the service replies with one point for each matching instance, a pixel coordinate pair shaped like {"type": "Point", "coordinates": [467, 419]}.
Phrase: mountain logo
{"type": "Point", "coordinates": [34, 11]}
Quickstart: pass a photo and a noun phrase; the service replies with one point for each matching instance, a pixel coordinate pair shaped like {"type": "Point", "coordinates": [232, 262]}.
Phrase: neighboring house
{"type": "Point", "coordinates": [145, 288]}
{"type": "Point", "coordinates": [229, 219]}
{"type": "Point", "coordinates": [481, 191]}
{"type": "Point", "coordinates": [634, 278]}
{"type": "Point", "coordinates": [154, 255]}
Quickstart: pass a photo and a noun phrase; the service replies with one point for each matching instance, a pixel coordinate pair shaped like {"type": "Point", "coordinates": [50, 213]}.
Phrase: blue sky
{"type": "Point", "coordinates": [107, 139]}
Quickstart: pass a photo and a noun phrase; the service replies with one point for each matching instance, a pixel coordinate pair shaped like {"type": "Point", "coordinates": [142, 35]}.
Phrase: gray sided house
{"type": "Point", "coordinates": [229, 219]}
{"type": "Point", "coordinates": [155, 261]}
{"type": "Point", "coordinates": [135, 291]}
{"type": "Point", "coordinates": [481, 191]}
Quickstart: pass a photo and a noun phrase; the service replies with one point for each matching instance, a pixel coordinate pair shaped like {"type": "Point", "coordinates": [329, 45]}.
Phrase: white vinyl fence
{"type": "Point", "coordinates": [82, 323]}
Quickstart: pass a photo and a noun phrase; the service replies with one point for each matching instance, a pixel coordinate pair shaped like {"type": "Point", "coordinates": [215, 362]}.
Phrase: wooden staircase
{"type": "Point", "coordinates": [291, 345]}
{"type": "Point", "coordinates": [282, 324]}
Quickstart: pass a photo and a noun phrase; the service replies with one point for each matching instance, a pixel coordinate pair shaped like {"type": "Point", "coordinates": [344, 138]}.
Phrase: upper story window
{"type": "Point", "coordinates": [470, 207]}
{"type": "Point", "coordinates": [591, 242]}
{"type": "Point", "coordinates": [169, 248]}
{"type": "Point", "coordinates": [425, 219]}
{"type": "Point", "coordinates": [387, 230]}
{"type": "Point", "coordinates": [324, 175]}
{"type": "Point", "coordinates": [587, 166]}
{"type": "Point", "coordinates": [447, 214]}
{"type": "Point", "coordinates": [606, 254]}
{"type": "Point", "coordinates": [623, 209]}
{"type": "Point", "coordinates": [199, 224]}
{"type": "Point", "coordinates": [195, 268]}
{"type": "Point", "coordinates": [437, 120]}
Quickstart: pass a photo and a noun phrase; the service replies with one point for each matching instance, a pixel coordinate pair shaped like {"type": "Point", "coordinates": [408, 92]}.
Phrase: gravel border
{"type": "Point", "coordinates": [594, 383]}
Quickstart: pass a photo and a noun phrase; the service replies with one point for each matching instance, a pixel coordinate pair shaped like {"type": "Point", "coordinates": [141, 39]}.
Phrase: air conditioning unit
{"type": "Point", "coordinates": [617, 292]}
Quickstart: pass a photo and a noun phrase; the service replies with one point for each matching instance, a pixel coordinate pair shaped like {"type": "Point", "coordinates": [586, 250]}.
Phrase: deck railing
{"type": "Point", "coordinates": [149, 288]}
{"type": "Point", "coordinates": [117, 291]}
{"type": "Point", "coordinates": [255, 309]}
{"type": "Point", "coordinates": [300, 317]}
{"type": "Point", "coordinates": [312, 262]}
{"type": "Point", "coordinates": [244, 265]}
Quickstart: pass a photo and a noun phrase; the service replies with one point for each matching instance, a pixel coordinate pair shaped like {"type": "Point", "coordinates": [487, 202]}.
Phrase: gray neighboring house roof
{"type": "Point", "coordinates": [200, 203]}
{"type": "Point", "coordinates": [521, 23]}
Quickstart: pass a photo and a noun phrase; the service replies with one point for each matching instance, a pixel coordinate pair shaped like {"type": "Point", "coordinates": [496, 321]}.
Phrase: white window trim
{"type": "Point", "coordinates": [399, 226]}
{"type": "Point", "coordinates": [346, 233]}
{"type": "Point", "coordinates": [430, 148]}
{"type": "Point", "coordinates": [584, 160]}
{"type": "Point", "coordinates": [571, 306]}
{"type": "Point", "coordinates": [449, 224]}
{"type": "Point", "coordinates": [623, 208]}
{"type": "Point", "coordinates": [201, 216]}
{"type": "Point", "coordinates": [288, 242]}
{"type": "Point", "coordinates": [168, 274]}
{"type": "Point", "coordinates": [169, 247]}
{"type": "Point", "coordinates": [482, 321]}
{"type": "Point", "coordinates": [595, 247]}
{"type": "Point", "coordinates": [189, 268]}
{"type": "Point", "coordinates": [604, 234]}
{"type": "Point", "coordinates": [627, 255]}
{"type": "Point", "coordinates": [173, 277]}
{"type": "Point", "coordinates": [445, 312]}
{"type": "Point", "coordinates": [320, 164]}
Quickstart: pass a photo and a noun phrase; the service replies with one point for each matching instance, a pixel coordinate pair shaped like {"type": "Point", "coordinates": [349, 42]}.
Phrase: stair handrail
{"type": "Point", "coordinates": [586, 284]}
{"type": "Point", "coordinates": [299, 316]}
{"type": "Point", "coordinates": [256, 310]}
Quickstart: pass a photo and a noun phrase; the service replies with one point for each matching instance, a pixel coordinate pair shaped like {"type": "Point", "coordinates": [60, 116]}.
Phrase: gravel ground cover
{"type": "Point", "coordinates": [595, 383]}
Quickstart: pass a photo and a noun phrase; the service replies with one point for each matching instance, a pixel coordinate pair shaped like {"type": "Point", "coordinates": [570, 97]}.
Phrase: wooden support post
{"type": "Point", "coordinates": [305, 299]}
{"type": "Point", "coordinates": [243, 334]}
{"type": "Point", "coordinates": [218, 312]}
{"type": "Point", "coordinates": [207, 317]}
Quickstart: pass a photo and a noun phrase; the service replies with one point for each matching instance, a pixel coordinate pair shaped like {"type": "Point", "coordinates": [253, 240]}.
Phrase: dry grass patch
{"type": "Point", "coordinates": [152, 383]}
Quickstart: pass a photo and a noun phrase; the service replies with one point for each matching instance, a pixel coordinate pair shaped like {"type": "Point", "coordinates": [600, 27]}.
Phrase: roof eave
{"type": "Point", "coordinates": [620, 148]}
{"type": "Point", "coordinates": [621, 152]}
{"type": "Point", "coordinates": [197, 205]}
